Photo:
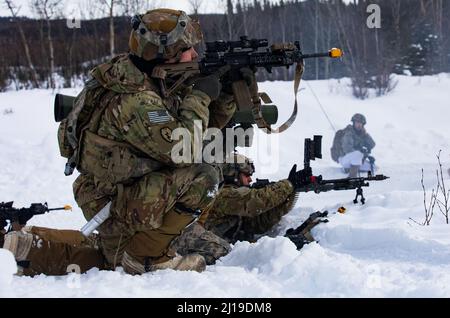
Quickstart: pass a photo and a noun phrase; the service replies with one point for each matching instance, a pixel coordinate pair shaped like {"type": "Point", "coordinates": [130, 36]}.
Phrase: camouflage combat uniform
{"type": "Point", "coordinates": [128, 161]}
{"type": "Point", "coordinates": [353, 140]}
{"type": "Point", "coordinates": [238, 214]}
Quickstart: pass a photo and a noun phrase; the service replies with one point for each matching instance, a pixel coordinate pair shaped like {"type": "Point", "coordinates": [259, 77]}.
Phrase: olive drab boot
{"type": "Point", "coordinates": [354, 171]}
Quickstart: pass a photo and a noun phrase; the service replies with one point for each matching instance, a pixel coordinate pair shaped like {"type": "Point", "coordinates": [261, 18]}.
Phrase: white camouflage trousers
{"type": "Point", "coordinates": [355, 158]}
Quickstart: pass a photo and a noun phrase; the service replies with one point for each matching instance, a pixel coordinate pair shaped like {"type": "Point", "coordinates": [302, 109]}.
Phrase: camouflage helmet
{"type": "Point", "coordinates": [359, 118]}
{"type": "Point", "coordinates": [240, 164]}
{"type": "Point", "coordinates": [163, 33]}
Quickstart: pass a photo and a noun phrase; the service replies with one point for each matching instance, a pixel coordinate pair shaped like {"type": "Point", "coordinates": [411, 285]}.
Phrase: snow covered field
{"type": "Point", "coordinates": [371, 251]}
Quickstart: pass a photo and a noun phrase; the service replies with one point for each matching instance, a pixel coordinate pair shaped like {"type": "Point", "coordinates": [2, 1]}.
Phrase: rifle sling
{"type": "Point", "coordinates": [256, 108]}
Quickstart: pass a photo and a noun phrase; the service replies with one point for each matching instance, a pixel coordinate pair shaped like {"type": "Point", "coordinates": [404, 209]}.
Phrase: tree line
{"type": "Point", "coordinates": [50, 51]}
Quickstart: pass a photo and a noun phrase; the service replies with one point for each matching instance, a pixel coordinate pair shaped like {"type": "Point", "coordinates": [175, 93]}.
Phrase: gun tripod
{"type": "Point", "coordinates": [359, 193]}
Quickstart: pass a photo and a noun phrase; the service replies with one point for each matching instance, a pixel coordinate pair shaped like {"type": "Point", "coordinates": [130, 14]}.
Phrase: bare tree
{"type": "Point", "coordinates": [132, 7]}
{"type": "Point", "coordinates": [110, 5]}
{"type": "Point", "coordinates": [47, 10]}
{"type": "Point", "coordinates": [229, 16]}
{"type": "Point", "coordinates": [282, 17]}
{"type": "Point", "coordinates": [195, 6]}
{"type": "Point", "coordinates": [14, 12]}
{"type": "Point", "coordinates": [428, 205]}
{"type": "Point", "coordinates": [444, 201]}
{"type": "Point", "coordinates": [440, 196]}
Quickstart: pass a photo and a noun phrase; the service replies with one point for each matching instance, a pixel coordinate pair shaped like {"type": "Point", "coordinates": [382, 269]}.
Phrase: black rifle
{"type": "Point", "coordinates": [301, 235]}
{"type": "Point", "coordinates": [317, 184]}
{"type": "Point", "coordinates": [228, 58]}
{"type": "Point", "coordinates": [22, 216]}
{"type": "Point", "coordinates": [253, 53]}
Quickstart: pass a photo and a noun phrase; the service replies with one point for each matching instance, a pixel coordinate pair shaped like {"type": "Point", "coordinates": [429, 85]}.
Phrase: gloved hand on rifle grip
{"type": "Point", "coordinates": [248, 75]}
{"type": "Point", "coordinates": [300, 178]}
{"type": "Point", "coordinates": [210, 85]}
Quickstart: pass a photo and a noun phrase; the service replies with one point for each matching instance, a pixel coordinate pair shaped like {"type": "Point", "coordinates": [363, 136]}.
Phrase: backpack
{"type": "Point", "coordinates": [336, 149]}
{"type": "Point", "coordinates": [84, 114]}
{"type": "Point", "coordinates": [107, 160]}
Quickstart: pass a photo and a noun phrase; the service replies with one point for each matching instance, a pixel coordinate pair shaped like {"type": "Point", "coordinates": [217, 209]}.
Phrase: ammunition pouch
{"type": "Point", "coordinates": [113, 162]}
{"type": "Point", "coordinates": [65, 148]}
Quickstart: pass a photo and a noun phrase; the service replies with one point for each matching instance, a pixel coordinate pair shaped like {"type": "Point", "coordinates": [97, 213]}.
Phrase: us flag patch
{"type": "Point", "coordinates": [159, 117]}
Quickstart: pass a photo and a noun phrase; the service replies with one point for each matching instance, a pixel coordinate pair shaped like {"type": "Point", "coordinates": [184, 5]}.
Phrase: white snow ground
{"type": "Point", "coordinates": [371, 251]}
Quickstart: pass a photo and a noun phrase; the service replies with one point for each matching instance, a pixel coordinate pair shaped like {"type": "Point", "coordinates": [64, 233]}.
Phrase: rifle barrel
{"type": "Point", "coordinates": [314, 55]}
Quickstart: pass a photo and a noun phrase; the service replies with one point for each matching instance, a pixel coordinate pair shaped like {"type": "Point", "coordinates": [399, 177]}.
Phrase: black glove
{"type": "Point", "coordinates": [210, 85]}
{"type": "Point", "coordinates": [300, 178]}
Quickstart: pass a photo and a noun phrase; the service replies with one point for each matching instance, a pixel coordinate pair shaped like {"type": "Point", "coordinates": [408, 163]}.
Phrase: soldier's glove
{"type": "Point", "coordinates": [248, 75]}
{"type": "Point", "coordinates": [300, 178]}
{"type": "Point", "coordinates": [210, 85]}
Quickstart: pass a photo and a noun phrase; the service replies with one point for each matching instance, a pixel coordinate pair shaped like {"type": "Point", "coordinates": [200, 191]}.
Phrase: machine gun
{"type": "Point", "coordinates": [19, 217]}
{"type": "Point", "coordinates": [313, 150]}
{"type": "Point", "coordinates": [311, 183]}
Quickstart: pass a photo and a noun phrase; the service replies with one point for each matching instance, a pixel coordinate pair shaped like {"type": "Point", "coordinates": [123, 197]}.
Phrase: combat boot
{"type": "Point", "coordinates": [19, 244]}
{"type": "Point", "coordinates": [354, 171]}
{"type": "Point", "coordinates": [190, 262]}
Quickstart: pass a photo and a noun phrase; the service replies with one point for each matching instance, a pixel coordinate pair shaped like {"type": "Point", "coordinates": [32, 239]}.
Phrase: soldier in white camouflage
{"type": "Point", "coordinates": [352, 146]}
{"type": "Point", "coordinates": [124, 157]}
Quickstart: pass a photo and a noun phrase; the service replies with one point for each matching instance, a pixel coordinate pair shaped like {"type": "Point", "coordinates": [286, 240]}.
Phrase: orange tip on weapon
{"type": "Point", "coordinates": [336, 53]}
{"type": "Point", "coordinates": [342, 210]}
{"type": "Point", "coordinates": [67, 208]}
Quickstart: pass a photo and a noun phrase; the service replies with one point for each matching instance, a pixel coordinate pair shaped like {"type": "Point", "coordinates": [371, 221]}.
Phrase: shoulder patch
{"type": "Point", "coordinates": [159, 117]}
{"type": "Point", "coordinates": [166, 134]}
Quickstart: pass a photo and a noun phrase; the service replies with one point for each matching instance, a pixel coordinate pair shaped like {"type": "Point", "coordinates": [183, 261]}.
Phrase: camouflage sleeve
{"type": "Point", "coordinates": [348, 142]}
{"type": "Point", "coordinates": [221, 111]}
{"type": "Point", "coordinates": [145, 123]}
{"type": "Point", "coordinates": [249, 202]}
{"type": "Point", "coordinates": [266, 221]}
{"type": "Point", "coordinates": [369, 142]}
{"type": "Point", "coordinates": [194, 107]}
